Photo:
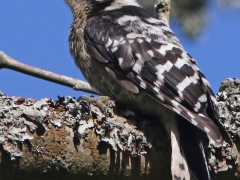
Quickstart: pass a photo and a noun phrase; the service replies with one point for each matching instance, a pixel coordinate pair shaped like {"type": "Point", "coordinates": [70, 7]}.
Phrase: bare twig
{"type": "Point", "coordinates": [8, 62]}
{"type": "Point", "coordinates": [163, 10]}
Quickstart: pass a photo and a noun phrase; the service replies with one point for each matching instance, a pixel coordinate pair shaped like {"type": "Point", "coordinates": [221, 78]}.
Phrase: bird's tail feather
{"type": "Point", "coordinates": [192, 142]}
{"type": "Point", "coordinates": [179, 166]}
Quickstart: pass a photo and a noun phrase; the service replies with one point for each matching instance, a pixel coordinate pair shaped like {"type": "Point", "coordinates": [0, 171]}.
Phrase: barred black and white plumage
{"type": "Point", "coordinates": [126, 53]}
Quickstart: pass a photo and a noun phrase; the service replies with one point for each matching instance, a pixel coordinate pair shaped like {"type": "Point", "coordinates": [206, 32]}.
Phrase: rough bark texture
{"type": "Point", "coordinates": [73, 139]}
{"type": "Point", "coordinates": [68, 138]}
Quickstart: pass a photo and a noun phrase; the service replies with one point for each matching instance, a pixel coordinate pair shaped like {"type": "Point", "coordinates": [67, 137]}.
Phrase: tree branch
{"type": "Point", "coordinates": [73, 138]}
{"type": "Point", "coordinates": [8, 62]}
{"type": "Point", "coordinates": [163, 8]}
{"type": "Point", "coordinates": [69, 138]}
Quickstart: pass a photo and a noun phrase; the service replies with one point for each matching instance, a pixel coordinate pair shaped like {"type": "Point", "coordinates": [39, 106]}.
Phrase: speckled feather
{"type": "Point", "coordinates": [129, 40]}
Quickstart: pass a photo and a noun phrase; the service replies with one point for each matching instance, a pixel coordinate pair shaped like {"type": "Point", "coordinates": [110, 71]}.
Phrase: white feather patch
{"type": "Point", "coordinates": [165, 48]}
{"type": "Point", "coordinates": [178, 157]}
{"type": "Point", "coordinates": [168, 65]}
{"type": "Point", "coordinates": [137, 67]}
{"type": "Point", "coordinates": [179, 63]}
{"type": "Point", "coordinates": [150, 52]}
{"type": "Point", "coordinates": [120, 61]}
{"type": "Point", "coordinates": [117, 4]}
{"type": "Point", "coordinates": [202, 98]}
{"type": "Point", "coordinates": [205, 82]}
{"type": "Point", "coordinates": [207, 130]}
{"type": "Point", "coordinates": [182, 85]}
{"type": "Point", "coordinates": [125, 19]}
{"type": "Point", "coordinates": [109, 43]}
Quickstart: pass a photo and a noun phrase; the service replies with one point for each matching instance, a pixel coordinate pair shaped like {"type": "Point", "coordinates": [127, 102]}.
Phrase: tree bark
{"type": "Point", "coordinates": [71, 138]}
{"type": "Point", "coordinates": [163, 8]}
{"type": "Point", "coordinates": [68, 138]}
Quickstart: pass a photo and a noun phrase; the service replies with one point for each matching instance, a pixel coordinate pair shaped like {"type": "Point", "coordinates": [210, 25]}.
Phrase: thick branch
{"type": "Point", "coordinates": [69, 138]}
{"type": "Point", "coordinates": [73, 139]}
{"type": "Point", "coordinates": [8, 62]}
{"type": "Point", "coordinates": [163, 8]}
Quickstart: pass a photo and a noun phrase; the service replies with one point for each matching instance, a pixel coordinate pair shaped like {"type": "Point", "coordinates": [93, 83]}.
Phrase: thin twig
{"type": "Point", "coordinates": [163, 8]}
{"type": "Point", "coordinates": [9, 63]}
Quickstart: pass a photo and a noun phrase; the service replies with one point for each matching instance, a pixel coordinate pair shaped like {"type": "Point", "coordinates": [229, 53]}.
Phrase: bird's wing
{"type": "Point", "coordinates": [142, 53]}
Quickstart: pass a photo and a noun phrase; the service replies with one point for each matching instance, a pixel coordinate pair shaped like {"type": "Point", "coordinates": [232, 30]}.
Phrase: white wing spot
{"type": "Point", "coordinates": [191, 115]}
{"type": "Point", "coordinates": [186, 57]}
{"type": "Point", "coordinates": [120, 60]}
{"type": "Point", "coordinates": [134, 36]}
{"type": "Point", "coordinates": [179, 63]}
{"type": "Point", "coordinates": [214, 99]}
{"type": "Point", "coordinates": [207, 130]}
{"type": "Point", "coordinates": [158, 83]}
{"type": "Point", "coordinates": [174, 103]}
{"type": "Point", "coordinates": [176, 110]}
{"type": "Point", "coordinates": [168, 65]}
{"type": "Point", "coordinates": [148, 40]}
{"type": "Point", "coordinates": [122, 42]}
{"type": "Point", "coordinates": [153, 20]}
{"type": "Point", "coordinates": [180, 94]}
{"type": "Point", "coordinates": [140, 40]}
{"type": "Point", "coordinates": [109, 43]}
{"type": "Point", "coordinates": [130, 41]}
{"type": "Point", "coordinates": [156, 89]}
{"type": "Point", "coordinates": [165, 48]}
{"type": "Point", "coordinates": [143, 85]}
{"type": "Point", "coordinates": [194, 78]}
{"type": "Point", "coordinates": [194, 122]}
{"type": "Point", "coordinates": [160, 97]}
{"type": "Point", "coordinates": [138, 56]}
{"type": "Point", "coordinates": [202, 98]}
{"type": "Point", "coordinates": [197, 106]}
{"type": "Point", "coordinates": [115, 43]}
{"type": "Point", "coordinates": [205, 82]}
{"type": "Point", "coordinates": [201, 115]}
{"type": "Point", "coordinates": [150, 52]}
{"type": "Point", "coordinates": [195, 109]}
{"type": "Point", "coordinates": [160, 69]}
{"type": "Point", "coordinates": [114, 49]}
{"type": "Point", "coordinates": [182, 85]}
{"type": "Point", "coordinates": [119, 4]}
{"type": "Point", "coordinates": [125, 19]}
{"type": "Point", "coordinates": [137, 68]}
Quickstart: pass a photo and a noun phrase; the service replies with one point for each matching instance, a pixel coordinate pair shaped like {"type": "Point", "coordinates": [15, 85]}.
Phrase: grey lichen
{"type": "Point", "coordinates": [12, 127]}
{"type": "Point", "coordinates": [113, 130]}
{"type": "Point", "coordinates": [163, 10]}
{"type": "Point", "coordinates": [224, 158]}
{"type": "Point", "coordinates": [19, 116]}
{"type": "Point", "coordinates": [120, 129]}
{"type": "Point", "coordinates": [123, 136]}
{"type": "Point", "coordinates": [229, 106]}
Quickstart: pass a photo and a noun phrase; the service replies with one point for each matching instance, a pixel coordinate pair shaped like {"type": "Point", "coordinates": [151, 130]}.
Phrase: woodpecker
{"type": "Point", "coordinates": [126, 53]}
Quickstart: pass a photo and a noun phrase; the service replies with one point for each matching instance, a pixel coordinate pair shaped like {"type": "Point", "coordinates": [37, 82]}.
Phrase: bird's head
{"type": "Point", "coordinates": [90, 7]}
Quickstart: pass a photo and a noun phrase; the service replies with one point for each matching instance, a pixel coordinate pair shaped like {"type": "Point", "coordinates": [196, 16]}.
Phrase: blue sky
{"type": "Point", "coordinates": [36, 33]}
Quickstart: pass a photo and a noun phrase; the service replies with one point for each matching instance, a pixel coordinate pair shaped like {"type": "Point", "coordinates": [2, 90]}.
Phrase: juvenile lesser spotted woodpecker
{"type": "Point", "coordinates": [126, 53]}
